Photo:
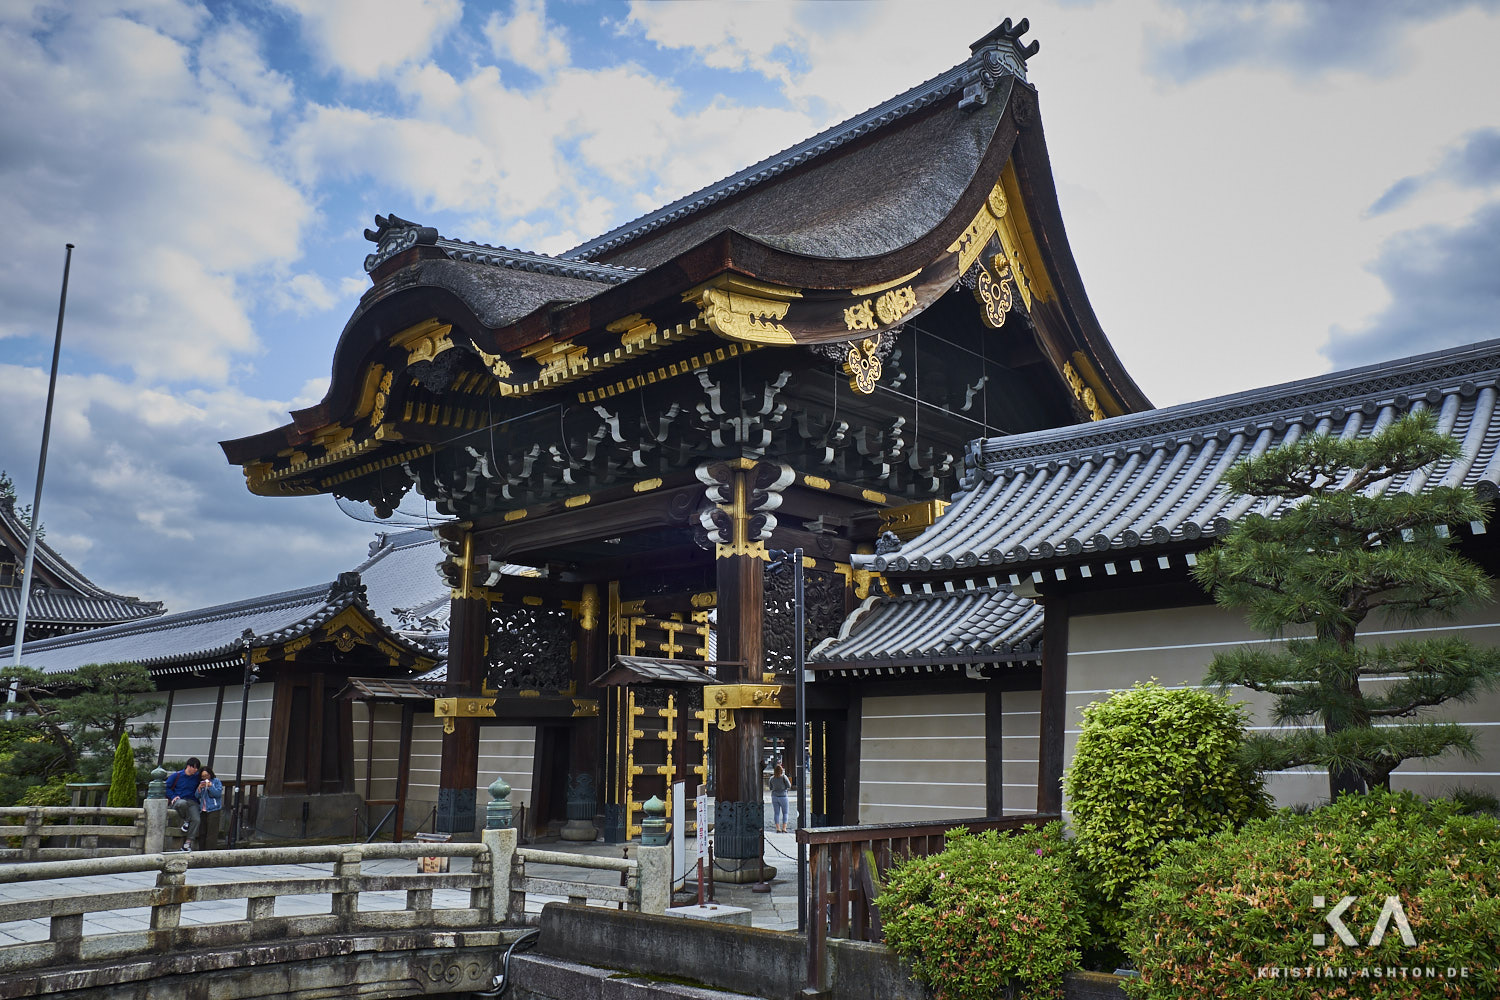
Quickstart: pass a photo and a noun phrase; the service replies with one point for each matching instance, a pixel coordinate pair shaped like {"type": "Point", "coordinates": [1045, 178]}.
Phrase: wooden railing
{"type": "Point", "coordinates": [497, 888]}
{"type": "Point", "coordinates": [846, 865]}
{"type": "Point", "coordinates": [26, 830]}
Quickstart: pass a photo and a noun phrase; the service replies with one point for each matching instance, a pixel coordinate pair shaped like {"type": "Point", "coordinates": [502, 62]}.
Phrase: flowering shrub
{"type": "Point", "coordinates": [1235, 915]}
{"type": "Point", "coordinates": [987, 915]}
{"type": "Point", "coordinates": [1152, 766]}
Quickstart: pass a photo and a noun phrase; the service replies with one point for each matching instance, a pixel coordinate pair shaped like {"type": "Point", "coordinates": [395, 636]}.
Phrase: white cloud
{"type": "Point", "coordinates": [137, 484]}
{"type": "Point", "coordinates": [526, 39]}
{"type": "Point", "coordinates": [762, 37]}
{"type": "Point", "coordinates": [367, 39]}
{"type": "Point", "coordinates": [162, 170]}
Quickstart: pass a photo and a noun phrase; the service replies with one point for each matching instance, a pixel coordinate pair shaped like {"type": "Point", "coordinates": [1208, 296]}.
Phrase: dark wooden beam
{"type": "Point", "coordinates": [1054, 704]}
{"type": "Point", "coordinates": [403, 767]}
{"type": "Point", "coordinates": [213, 736]}
{"type": "Point", "coordinates": [852, 728]}
{"type": "Point", "coordinates": [994, 754]}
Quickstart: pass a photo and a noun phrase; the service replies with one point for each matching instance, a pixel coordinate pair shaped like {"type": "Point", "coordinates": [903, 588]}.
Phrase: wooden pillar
{"type": "Point", "coordinates": [213, 736]}
{"type": "Point", "coordinates": [403, 769]}
{"type": "Point", "coordinates": [1054, 703]}
{"type": "Point", "coordinates": [994, 752]}
{"type": "Point", "coordinates": [741, 584]}
{"type": "Point", "coordinates": [853, 723]}
{"type": "Point", "coordinates": [585, 768]}
{"type": "Point", "coordinates": [467, 638]}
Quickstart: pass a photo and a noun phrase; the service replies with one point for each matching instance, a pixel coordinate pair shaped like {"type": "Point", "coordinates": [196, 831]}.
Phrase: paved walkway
{"type": "Point", "coordinates": [776, 910]}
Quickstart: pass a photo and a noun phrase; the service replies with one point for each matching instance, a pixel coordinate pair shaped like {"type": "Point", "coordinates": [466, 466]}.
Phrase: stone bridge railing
{"type": "Point", "coordinates": [497, 886]}
{"type": "Point", "coordinates": [25, 832]}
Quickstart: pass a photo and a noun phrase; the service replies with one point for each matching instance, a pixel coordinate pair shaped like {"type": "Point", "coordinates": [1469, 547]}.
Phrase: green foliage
{"type": "Point", "coordinates": [1153, 766]}
{"type": "Point", "coordinates": [72, 723]}
{"type": "Point", "coordinates": [987, 913]}
{"type": "Point", "coordinates": [1220, 910]}
{"type": "Point", "coordinates": [8, 496]}
{"type": "Point", "coordinates": [53, 793]}
{"type": "Point", "coordinates": [122, 786]}
{"type": "Point", "coordinates": [1341, 548]}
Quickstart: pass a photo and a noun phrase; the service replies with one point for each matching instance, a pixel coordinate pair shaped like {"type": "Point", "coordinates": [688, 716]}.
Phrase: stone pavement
{"type": "Point", "coordinates": [776, 910]}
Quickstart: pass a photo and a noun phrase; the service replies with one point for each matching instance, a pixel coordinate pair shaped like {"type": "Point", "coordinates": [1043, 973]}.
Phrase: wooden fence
{"type": "Point", "coordinates": [847, 865]}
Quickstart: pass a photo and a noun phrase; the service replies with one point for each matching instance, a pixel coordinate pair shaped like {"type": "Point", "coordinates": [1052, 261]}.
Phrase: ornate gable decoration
{"type": "Point", "coordinates": [394, 235]}
{"type": "Point", "coordinates": [996, 56]}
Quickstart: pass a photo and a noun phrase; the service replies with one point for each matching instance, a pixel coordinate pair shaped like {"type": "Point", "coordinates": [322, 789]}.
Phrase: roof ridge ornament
{"type": "Point", "coordinates": [392, 235]}
{"type": "Point", "coordinates": [996, 56]}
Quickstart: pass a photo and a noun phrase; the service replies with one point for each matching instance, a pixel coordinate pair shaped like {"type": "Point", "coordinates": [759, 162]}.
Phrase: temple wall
{"type": "Point", "coordinates": [922, 758]}
{"type": "Point", "coordinates": [190, 731]}
{"type": "Point", "coordinates": [1108, 652]}
{"type": "Point", "coordinates": [503, 750]}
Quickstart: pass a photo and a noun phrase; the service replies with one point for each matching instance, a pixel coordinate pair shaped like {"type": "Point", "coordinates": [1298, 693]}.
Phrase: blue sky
{"type": "Point", "coordinates": [1255, 192]}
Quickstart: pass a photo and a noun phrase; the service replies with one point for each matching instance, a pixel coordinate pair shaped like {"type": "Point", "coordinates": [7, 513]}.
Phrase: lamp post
{"type": "Point", "coordinates": [246, 638]}
{"type": "Point", "coordinates": [799, 669]}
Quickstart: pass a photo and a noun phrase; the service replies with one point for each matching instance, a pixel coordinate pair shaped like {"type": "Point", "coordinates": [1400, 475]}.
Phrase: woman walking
{"type": "Point", "coordinates": [779, 787]}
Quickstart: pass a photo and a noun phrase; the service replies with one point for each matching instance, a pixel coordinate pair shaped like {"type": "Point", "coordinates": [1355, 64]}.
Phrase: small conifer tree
{"type": "Point", "coordinates": [122, 787]}
{"type": "Point", "coordinates": [1340, 547]}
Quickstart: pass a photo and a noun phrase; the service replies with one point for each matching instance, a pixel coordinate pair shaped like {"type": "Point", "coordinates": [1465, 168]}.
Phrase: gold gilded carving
{"type": "Point", "coordinates": [971, 241]}
{"type": "Point", "coordinates": [860, 316]}
{"type": "Point", "coordinates": [449, 709]}
{"type": "Point", "coordinates": [707, 599]}
{"type": "Point", "coordinates": [382, 396]}
{"type": "Point", "coordinates": [817, 482]}
{"type": "Point", "coordinates": [495, 363]}
{"type": "Point", "coordinates": [895, 304]}
{"type": "Point", "coordinates": [634, 330]}
{"type": "Point", "coordinates": [345, 641]}
{"type": "Point", "coordinates": [297, 644]}
{"type": "Point", "coordinates": [588, 607]}
{"type": "Point", "coordinates": [429, 345]}
{"type": "Point", "coordinates": [886, 309]}
{"type": "Point", "coordinates": [646, 485]}
{"type": "Point", "coordinates": [734, 696]}
{"type": "Point", "coordinates": [738, 316]}
{"type": "Point", "coordinates": [909, 520]}
{"type": "Point", "coordinates": [1082, 391]}
{"type": "Point", "coordinates": [995, 295]}
{"type": "Point", "coordinates": [515, 515]}
{"type": "Point", "coordinates": [580, 500]}
{"type": "Point", "coordinates": [585, 708]}
{"type": "Point", "coordinates": [863, 365]}
{"type": "Point", "coordinates": [873, 496]}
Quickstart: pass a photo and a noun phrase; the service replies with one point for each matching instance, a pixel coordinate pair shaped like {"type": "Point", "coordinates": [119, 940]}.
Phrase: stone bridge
{"type": "Point", "coordinates": [298, 922]}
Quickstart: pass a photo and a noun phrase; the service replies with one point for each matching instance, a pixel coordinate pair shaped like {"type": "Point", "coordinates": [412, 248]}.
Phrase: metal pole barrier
{"type": "Point", "coordinates": [41, 473]}
{"type": "Point", "coordinates": [799, 670]}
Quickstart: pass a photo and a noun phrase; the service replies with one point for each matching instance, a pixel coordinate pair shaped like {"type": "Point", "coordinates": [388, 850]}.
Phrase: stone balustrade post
{"type": "Point", "coordinates": [166, 901]}
{"type": "Point", "coordinates": [346, 896]}
{"type": "Point", "coordinates": [654, 878]}
{"type": "Point", "coordinates": [507, 907]}
{"type": "Point", "coordinates": [155, 841]}
{"type": "Point", "coordinates": [31, 840]}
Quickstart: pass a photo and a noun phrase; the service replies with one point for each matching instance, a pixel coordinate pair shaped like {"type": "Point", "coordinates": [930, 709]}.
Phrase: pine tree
{"type": "Point", "coordinates": [122, 787]}
{"type": "Point", "coordinates": [1339, 548]}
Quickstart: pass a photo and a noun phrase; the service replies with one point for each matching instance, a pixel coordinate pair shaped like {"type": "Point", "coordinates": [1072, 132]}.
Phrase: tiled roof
{"type": "Point", "coordinates": [76, 600]}
{"type": "Point", "coordinates": [653, 670]}
{"type": "Point", "coordinates": [969, 622]}
{"type": "Point", "coordinates": [1123, 485]}
{"type": "Point", "coordinates": [399, 573]}
{"type": "Point", "coordinates": [64, 607]}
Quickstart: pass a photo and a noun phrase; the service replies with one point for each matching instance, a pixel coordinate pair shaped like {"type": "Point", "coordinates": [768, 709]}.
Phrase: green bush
{"type": "Point", "coordinates": [1221, 913]}
{"type": "Point", "coordinates": [1153, 766]}
{"type": "Point", "coordinates": [986, 914]}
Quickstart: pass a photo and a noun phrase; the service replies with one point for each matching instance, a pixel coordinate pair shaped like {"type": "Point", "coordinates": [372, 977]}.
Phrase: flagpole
{"type": "Point", "coordinates": [41, 472]}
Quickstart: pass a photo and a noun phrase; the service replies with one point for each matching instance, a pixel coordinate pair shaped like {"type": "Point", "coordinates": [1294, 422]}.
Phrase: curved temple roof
{"type": "Point", "coordinates": [398, 575]}
{"type": "Point", "coordinates": [973, 622]}
{"type": "Point", "coordinates": [916, 192]}
{"type": "Point", "coordinates": [62, 595]}
{"type": "Point", "coordinates": [1134, 483]}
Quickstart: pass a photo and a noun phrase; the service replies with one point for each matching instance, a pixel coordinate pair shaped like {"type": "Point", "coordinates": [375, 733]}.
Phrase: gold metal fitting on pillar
{"type": "Point", "coordinates": [726, 698]}
{"type": "Point", "coordinates": [465, 707]}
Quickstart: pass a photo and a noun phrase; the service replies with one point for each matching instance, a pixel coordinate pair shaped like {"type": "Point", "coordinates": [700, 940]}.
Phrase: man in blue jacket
{"type": "Point", "coordinates": [182, 795]}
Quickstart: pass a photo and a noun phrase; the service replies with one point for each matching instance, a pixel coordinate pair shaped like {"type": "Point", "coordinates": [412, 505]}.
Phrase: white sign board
{"type": "Point", "coordinates": [702, 814]}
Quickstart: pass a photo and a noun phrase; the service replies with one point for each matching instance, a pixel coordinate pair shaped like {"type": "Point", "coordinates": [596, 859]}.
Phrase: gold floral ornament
{"type": "Point", "coordinates": [995, 294]}
{"type": "Point", "coordinates": [863, 365]}
{"type": "Point", "coordinates": [887, 309]}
